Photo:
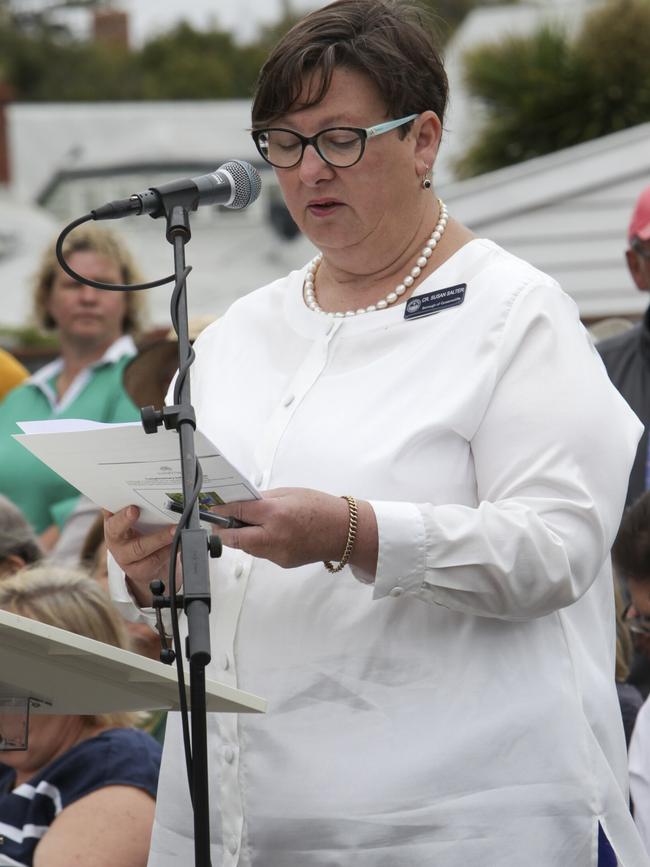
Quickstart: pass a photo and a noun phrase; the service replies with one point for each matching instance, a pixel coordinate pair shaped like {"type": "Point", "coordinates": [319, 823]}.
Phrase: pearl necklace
{"type": "Point", "coordinates": [309, 289]}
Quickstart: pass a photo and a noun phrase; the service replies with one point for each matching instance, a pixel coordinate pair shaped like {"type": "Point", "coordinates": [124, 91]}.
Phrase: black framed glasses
{"type": "Point", "coordinates": [338, 146]}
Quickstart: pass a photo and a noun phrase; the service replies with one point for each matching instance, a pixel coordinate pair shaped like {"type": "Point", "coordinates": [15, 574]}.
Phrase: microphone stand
{"type": "Point", "coordinates": [195, 544]}
{"type": "Point", "coordinates": [241, 182]}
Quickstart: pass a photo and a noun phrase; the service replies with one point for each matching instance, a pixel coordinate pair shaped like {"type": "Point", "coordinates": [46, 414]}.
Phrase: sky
{"type": "Point", "coordinates": [242, 17]}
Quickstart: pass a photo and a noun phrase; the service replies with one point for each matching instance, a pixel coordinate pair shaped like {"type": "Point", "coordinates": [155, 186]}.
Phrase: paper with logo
{"type": "Point", "coordinates": [116, 465]}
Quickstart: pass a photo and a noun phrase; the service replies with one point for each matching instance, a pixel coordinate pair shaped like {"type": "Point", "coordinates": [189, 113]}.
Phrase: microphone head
{"type": "Point", "coordinates": [248, 183]}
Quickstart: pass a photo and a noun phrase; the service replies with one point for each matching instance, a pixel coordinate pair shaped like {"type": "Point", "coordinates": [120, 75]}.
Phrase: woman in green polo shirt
{"type": "Point", "coordinates": [95, 329]}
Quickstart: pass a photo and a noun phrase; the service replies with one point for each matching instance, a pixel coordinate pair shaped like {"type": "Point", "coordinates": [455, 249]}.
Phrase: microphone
{"type": "Point", "coordinates": [236, 184]}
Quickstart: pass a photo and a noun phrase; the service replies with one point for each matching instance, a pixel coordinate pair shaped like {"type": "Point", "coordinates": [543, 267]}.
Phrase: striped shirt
{"type": "Point", "coordinates": [122, 757]}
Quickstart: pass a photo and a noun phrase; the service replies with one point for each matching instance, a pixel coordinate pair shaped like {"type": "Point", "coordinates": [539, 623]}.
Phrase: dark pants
{"type": "Point", "coordinates": [606, 856]}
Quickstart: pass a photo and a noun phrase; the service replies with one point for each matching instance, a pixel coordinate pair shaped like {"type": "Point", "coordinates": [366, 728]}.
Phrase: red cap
{"type": "Point", "coordinates": [640, 223]}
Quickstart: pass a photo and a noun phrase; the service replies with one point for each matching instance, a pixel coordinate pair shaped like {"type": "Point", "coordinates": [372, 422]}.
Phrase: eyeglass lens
{"type": "Point", "coordinates": [639, 625]}
{"type": "Point", "coordinates": [339, 147]}
{"type": "Point", "coordinates": [635, 622]}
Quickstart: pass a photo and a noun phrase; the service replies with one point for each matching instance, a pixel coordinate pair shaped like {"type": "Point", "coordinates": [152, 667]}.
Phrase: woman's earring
{"type": "Point", "coordinates": [426, 181]}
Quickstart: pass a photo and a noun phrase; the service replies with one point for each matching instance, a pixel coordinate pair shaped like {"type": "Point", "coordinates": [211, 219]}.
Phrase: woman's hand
{"type": "Point", "coordinates": [143, 558]}
{"type": "Point", "coordinates": [294, 526]}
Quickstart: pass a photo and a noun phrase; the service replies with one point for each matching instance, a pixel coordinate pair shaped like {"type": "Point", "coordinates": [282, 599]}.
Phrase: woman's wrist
{"type": "Point", "coordinates": [357, 541]}
{"type": "Point", "coordinates": [351, 539]}
{"type": "Point", "coordinates": [141, 597]}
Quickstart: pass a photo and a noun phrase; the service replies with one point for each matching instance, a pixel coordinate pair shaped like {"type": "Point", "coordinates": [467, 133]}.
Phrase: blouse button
{"type": "Point", "coordinates": [396, 591]}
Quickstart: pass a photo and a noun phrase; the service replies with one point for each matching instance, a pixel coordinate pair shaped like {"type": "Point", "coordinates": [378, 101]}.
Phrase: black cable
{"type": "Point", "coordinates": [112, 287]}
{"type": "Point", "coordinates": [184, 366]}
{"type": "Point", "coordinates": [198, 481]}
{"type": "Point", "coordinates": [187, 362]}
{"type": "Point", "coordinates": [183, 371]}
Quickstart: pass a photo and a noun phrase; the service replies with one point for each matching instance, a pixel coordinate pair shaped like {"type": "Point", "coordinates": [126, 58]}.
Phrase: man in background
{"type": "Point", "coordinates": [627, 356]}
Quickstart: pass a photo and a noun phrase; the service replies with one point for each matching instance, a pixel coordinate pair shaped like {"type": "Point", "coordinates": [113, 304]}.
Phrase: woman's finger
{"type": "Point", "coordinates": [131, 549]}
{"type": "Point", "coordinates": [118, 525]}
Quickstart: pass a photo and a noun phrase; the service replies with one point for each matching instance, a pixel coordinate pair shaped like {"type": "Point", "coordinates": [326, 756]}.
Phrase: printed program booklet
{"type": "Point", "coordinates": [116, 465]}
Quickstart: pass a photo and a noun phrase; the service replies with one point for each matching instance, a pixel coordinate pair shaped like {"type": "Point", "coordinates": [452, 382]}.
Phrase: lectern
{"type": "Point", "coordinates": [65, 673]}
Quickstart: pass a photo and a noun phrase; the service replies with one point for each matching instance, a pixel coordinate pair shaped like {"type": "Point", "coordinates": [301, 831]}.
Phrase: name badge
{"type": "Point", "coordinates": [435, 302]}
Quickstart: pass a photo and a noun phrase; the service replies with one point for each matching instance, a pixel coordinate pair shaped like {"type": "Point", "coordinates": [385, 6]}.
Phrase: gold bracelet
{"type": "Point", "coordinates": [352, 538]}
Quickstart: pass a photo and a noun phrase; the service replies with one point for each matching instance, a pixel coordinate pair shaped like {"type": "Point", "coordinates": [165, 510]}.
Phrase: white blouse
{"type": "Point", "coordinates": [462, 712]}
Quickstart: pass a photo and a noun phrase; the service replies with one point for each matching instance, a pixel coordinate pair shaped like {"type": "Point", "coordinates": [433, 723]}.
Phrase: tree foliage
{"type": "Point", "coordinates": [447, 15]}
{"type": "Point", "coordinates": [181, 64]}
{"type": "Point", "coordinates": [190, 64]}
{"type": "Point", "coordinates": [550, 91]}
{"type": "Point", "coordinates": [42, 61]}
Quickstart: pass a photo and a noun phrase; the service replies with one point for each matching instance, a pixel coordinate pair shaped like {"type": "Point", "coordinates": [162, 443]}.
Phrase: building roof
{"type": "Point", "coordinates": [24, 229]}
{"type": "Point", "coordinates": [567, 213]}
{"type": "Point", "coordinates": [112, 135]}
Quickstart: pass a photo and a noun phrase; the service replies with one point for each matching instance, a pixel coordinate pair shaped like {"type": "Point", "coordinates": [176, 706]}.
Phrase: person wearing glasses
{"type": "Point", "coordinates": [423, 593]}
{"type": "Point", "coordinates": [83, 788]}
{"type": "Point", "coordinates": [627, 356]}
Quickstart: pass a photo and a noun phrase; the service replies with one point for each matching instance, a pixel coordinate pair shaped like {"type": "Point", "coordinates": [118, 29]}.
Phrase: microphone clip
{"type": "Point", "coordinates": [158, 602]}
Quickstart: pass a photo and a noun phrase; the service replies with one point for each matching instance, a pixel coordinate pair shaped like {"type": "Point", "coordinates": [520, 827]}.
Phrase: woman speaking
{"type": "Point", "coordinates": [425, 595]}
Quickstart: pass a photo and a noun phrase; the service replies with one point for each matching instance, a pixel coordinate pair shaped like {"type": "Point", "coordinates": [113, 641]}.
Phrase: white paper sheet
{"type": "Point", "coordinates": [116, 465]}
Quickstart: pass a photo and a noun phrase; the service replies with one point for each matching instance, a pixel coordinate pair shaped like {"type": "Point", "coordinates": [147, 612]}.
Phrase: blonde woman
{"type": "Point", "coordinates": [84, 790]}
{"type": "Point", "coordinates": [95, 329]}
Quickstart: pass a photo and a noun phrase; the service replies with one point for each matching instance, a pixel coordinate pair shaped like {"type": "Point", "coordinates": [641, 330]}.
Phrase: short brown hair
{"type": "Point", "coordinates": [631, 550]}
{"type": "Point", "coordinates": [98, 240]}
{"type": "Point", "coordinates": [386, 40]}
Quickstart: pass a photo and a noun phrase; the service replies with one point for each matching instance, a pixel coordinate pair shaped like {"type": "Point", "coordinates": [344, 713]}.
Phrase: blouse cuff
{"type": "Point", "coordinates": [402, 548]}
{"type": "Point", "coordinates": [124, 600]}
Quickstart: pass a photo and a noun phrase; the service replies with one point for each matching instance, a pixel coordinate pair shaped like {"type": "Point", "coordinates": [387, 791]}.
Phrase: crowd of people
{"type": "Point", "coordinates": [84, 789]}
{"type": "Point", "coordinates": [425, 591]}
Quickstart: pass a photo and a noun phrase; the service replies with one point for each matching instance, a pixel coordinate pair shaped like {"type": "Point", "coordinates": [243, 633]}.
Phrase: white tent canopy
{"type": "Point", "coordinates": [567, 213]}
